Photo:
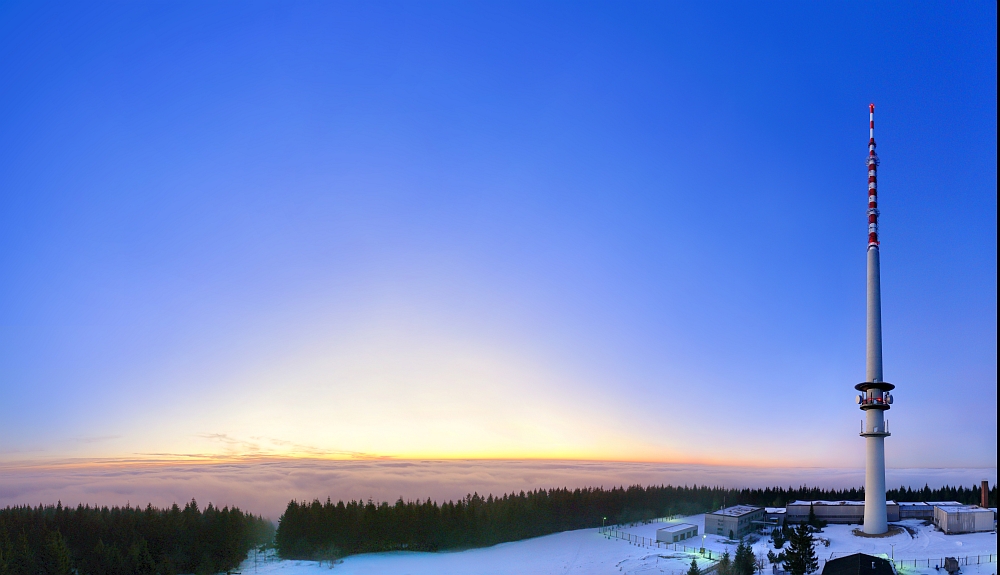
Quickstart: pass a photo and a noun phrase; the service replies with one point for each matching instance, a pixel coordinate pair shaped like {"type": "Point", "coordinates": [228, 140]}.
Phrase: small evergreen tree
{"type": "Point", "coordinates": [6, 551]}
{"type": "Point", "coordinates": [22, 559]}
{"type": "Point", "coordinates": [725, 564]}
{"type": "Point", "coordinates": [139, 560]}
{"type": "Point", "coordinates": [778, 538]}
{"type": "Point", "coordinates": [743, 562]}
{"type": "Point", "coordinates": [55, 555]}
{"type": "Point", "coordinates": [813, 520]}
{"type": "Point", "coordinates": [693, 570]}
{"type": "Point", "coordinates": [800, 558]}
{"type": "Point", "coordinates": [787, 531]}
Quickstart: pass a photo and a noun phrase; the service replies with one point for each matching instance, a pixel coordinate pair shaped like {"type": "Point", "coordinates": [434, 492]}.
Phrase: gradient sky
{"type": "Point", "coordinates": [609, 231]}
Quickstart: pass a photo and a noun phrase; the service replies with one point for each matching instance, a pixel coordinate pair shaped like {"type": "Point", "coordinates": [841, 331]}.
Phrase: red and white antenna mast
{"type": "Point", "coordinates": [872, 162]}
{"type": "Point", "coordinates": [875, 398]}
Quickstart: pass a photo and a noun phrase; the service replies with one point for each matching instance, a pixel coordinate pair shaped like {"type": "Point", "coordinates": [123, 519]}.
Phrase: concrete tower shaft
{"type": "Point", "coordinates": [875, 398]}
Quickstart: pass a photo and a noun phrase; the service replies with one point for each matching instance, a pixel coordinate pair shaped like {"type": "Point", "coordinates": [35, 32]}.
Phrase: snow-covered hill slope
{"type": "Point", "coordinates": [588, 552]}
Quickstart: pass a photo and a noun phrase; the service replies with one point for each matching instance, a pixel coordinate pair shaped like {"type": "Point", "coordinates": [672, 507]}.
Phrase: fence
{"type": "Point", "coordinates": [973, 559]}
{"type": "Point", "coordinates": [614, 533]}
{"type": "Point", "coordinates": [967, 560]}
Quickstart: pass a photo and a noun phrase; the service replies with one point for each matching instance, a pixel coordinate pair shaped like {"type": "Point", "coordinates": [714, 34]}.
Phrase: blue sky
{"type": "Point", "coordinates": [615, 231]}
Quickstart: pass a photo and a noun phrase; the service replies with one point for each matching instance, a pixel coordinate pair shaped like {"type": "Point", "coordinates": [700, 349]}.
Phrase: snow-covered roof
{"type": "Point", "coordinates": [961, 508]}
{"type": "Point", "coordinates": [736, 510]}
{"type": "Point", "coordinates": [821, 502]}
{"type": "Point", "coordinates": [774, 509]}
{"type": "Point", "coordinates": [676, 527]}
{"type": "Point", "coordinates": [927, 503]}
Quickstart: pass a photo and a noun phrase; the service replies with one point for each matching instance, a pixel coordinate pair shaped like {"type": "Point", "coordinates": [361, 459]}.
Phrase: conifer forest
{"type": "Point", "coordinates": [57, 540]}
{"type": "Point", "coordinates": [328, 530]}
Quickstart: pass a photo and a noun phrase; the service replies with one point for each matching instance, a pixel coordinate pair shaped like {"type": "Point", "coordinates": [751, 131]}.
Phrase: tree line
{"type": "Point", "coordinates": [57, 540]}
{"type": "Point", "coordinates": [968, 496]}
{"type": "Point", "coordinates": [315, 530]}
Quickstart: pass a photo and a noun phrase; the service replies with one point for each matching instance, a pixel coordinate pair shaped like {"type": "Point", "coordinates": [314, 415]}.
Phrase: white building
{"type": "Point", "coordinates": [735, 521]}
{"type": "Point", "coordinates": [775, 516]}
{"type": "Point", "coordinates": [835, 511]}
{"type": "Point", "coordinates": [921, 509]}
{"type": "Point", "coordinates": [962, 518]}
{"type": "Point", "coordinates": [676, 532]}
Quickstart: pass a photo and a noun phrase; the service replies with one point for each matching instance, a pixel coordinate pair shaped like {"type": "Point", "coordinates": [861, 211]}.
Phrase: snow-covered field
{"type": "Point", "coordinates": [587, 551]}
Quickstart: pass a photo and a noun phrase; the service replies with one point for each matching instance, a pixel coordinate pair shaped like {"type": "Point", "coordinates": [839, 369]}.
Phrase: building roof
{"type": "Point", "coordinates": [736, 510]}
{"type": "Point", "coordinates": [927, 503]}
{"type": "Point", "coordinates": [819, 502]}
{"type": "Point", "coordinates": [858, 564]}
{"type": "Point", "coordinates": [960, 508]}
{"type": "Point", "coordinates": [774, 509]}
{"type": "Point", "coordinates": [676, 527]}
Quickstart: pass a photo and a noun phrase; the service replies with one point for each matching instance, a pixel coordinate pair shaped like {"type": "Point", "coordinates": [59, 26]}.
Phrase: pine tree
{"type": "Point", "coordinates": [139, 560]}
{"type": "Point", "coordinates": [743, 563]}
{"type": "Point", "coordinates": [693, 570]}
{"type": "Point", "coordinates": [800, 558]}
{"type": "Point", "coordinates": [778, 538]}
{"type": "Point", "coordinates": [6, 551]}
{"type": "Point", "coordinates": [725, 564]}
{"type": "Point", "coordinates": [22, 559]}
{"type": "Point", "coordinates": [55, 555]}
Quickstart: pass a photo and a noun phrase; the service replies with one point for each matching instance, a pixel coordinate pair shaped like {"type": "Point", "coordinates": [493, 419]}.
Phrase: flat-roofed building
{"type": "Point", "coordinates": [835, 511]}
{"type": "Point", "coordinates": [675, 532]}
{"type": "Point", "coordinates": [921, 509]}
{"type": "Point", "coordinates": [735, 521]}
{"type": "Point", "coordinates": [963, 518]}
{"type": "Point", "coordinates": [775, 516]}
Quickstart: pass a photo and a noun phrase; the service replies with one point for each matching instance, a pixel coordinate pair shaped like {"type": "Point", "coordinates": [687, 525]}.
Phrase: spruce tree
{"type": "Point", "coordinates": [743, 563]}
{"type": "Point", "coordinates": [778, 538]}
{"type": "Point", "coordinates": [800, 558]}
{"type": "Point", "coordinates": [22, 559]}
{"type": "Point", "coordinates": [55, 555]}
{"type": "Point", "coordinates": [139, 560]}
{"type": "Point", "coordinates": [693, 570]}
{"type": "Point", "coordinates": [725, 564]}
{"type": "Point", "coordinates": [6, 551]}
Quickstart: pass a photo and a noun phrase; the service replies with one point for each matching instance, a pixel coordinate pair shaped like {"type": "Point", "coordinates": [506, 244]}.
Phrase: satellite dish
{"type": "Point", "coordinates": [890, 399]}
{"type": "Point", "coordinates": [859, 399]}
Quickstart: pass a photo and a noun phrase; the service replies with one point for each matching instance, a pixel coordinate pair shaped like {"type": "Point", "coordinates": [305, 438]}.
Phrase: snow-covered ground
{"type": "Point", "coordinates": [588, 552]}
{"type": "Point", "coordinates": [917, 541]}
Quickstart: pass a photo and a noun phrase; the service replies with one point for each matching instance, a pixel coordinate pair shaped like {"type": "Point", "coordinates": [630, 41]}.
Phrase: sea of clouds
{"type": "Point", "coordinates": [266, 486]}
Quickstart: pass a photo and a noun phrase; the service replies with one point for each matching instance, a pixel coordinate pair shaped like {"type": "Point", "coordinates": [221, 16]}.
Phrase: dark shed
{"type": "Point", "coordinates": [858, 564]}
